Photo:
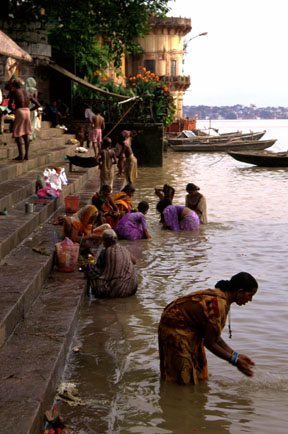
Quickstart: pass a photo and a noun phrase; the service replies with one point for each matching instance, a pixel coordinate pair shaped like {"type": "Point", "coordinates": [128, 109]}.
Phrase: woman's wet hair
{"type": "Point", "coordinates": [191, 187]}
{"type": "Point", "coordinates": [128, 188]}
{"type": "Point", "coordinates": [241, 280]}
{"type": "Point", "coordinates": [143, 206]}
{"type": "Point", "coordinates": [105, 188]}
{"type": "Point", "coordinates": [106, 142]}
{"type": "Point", "coordinates": [162, 204]}
{"type": "Point", "coordinates": [168, 191]}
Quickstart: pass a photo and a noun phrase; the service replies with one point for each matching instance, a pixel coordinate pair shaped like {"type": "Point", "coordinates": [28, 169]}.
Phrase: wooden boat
{"type": "Point", "coordinates": [235, 134]}
{"type": "Point", "coordinates": [225, 146]}
{"type": "Point", "coordinates": [186, 139]}
{"type": "Point", "coordinates": [264, 158]}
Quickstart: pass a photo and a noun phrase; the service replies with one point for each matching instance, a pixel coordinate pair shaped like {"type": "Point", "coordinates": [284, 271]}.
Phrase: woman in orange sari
{"type": "Point", "coordinates": [108, 209]}
{"type": "Point", "coordinates": [123, 199]}
{"type": "Point", "coordinates": [80, 226]}
{"type": "Point", "coordinates": [195, 321]}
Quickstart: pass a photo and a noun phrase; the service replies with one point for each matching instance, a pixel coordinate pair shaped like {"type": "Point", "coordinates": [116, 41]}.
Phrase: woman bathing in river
{"type": "Point", "coordinates": [195, 321]}
{"type": "Point", "coordinates": [177, 217]}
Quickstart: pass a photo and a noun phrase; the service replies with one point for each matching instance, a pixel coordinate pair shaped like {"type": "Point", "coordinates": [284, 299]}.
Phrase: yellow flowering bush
{"type": "Point", "coordinates": [156, 97]}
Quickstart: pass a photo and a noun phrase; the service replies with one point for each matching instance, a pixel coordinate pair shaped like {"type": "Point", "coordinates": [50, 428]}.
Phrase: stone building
{"type": "Point", "coordinates": [34, 40]}
{"type": "Point", "coordinates": [163, 54]}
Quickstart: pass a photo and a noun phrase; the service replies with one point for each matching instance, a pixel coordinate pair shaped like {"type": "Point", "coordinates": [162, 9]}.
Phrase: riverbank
{"type": "Point", "coordinates": [117, 367]}
{"type": "Point", "coordinates": [39, 310]}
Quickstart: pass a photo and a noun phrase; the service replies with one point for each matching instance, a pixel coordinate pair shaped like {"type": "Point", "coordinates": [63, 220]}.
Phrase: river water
{"type": "Point", "coordinates": [117, 368]}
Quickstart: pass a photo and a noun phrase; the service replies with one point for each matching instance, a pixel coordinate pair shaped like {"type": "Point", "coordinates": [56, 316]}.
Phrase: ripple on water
{"type": "Point", "coordinates": [117, 368]}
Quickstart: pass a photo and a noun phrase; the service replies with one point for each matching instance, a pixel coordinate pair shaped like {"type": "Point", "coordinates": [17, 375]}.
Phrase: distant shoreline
{"type": "Point", "coordinates": [236, 112]}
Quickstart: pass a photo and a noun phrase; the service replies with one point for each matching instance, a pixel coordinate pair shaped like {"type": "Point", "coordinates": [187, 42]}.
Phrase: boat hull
{"type": "Point", "coordinates": [263, 159]}
{"type": "Point", "coordinates": [226, 146]}
{"type": "Point", "coordinates": [222, 138]}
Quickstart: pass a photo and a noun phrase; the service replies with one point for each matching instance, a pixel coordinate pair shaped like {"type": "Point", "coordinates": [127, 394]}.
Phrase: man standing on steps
{"type": "Point", "coordinates": [95, 134]}
{"type": "Point", "coordinates": [19, 101]}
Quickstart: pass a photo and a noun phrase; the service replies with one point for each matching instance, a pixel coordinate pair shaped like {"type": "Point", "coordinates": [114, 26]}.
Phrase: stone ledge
{"type": "Point", "coordinates": [33, 361]}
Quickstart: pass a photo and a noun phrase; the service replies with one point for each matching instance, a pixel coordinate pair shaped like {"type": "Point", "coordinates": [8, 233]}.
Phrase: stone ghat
{"type": "Point", "coordinates": [39, 306]}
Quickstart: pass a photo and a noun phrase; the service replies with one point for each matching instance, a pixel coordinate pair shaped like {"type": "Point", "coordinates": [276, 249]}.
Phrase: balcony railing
{"type": "Point", "coordinates": [181, 81]}
{"type": "Point", "coordinates": [177, 23]}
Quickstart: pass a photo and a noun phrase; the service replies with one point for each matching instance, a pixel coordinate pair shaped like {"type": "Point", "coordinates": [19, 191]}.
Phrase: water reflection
{"type": "Point", "coordinates": [192, 410]}
{"type": "Point", "coordinates": [117, 369]}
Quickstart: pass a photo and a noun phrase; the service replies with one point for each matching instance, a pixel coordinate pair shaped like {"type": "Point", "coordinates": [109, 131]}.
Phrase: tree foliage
{"type": "Point", "coordinates": [95, 32]}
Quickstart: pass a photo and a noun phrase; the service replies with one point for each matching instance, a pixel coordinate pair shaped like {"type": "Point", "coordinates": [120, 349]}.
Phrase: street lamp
{"type": "Point", "coordinates": [185, 45]}
{"type": "Point", "coordinates": [193, 37]}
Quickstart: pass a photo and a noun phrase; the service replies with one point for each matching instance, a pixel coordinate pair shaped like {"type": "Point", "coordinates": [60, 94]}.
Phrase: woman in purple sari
{"type": "Point", "coordinates": [133, 226]}
{"type": "Point", "coordinates": [180, 218]}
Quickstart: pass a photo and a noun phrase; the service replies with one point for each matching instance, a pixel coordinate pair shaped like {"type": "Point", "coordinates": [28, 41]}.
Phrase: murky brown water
{"type": "Point", "coordinates": [117, 369]}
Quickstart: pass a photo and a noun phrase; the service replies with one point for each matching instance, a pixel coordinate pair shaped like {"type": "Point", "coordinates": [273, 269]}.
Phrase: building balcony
{"type": "Point", "coordinates": [180, 25]}
{"type": "Point", "coordinates": [176, 82]}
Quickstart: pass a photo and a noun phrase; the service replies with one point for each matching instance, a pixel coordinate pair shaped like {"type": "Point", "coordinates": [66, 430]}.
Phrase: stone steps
{"type": "Point", "coordinates": [17, 186]}
{"type": "Point", "coordinates": [38, 317]}
{"type": "Point", "coordinates": [34, 360]}
{"type": "Point", "coordinates": [22, 259]}
{"type": "Point", "coordinates": [45, 132]}
{"type": "Point", "coordinates": [21, 187]}
{"type": "Point", "coordinates": [10, 169]}
{"type": "Point", "coordinates": [38, 309]}
{"type": "Point", "coordinates": [9, 150]}
{"type": "Point", "coordinates": [18, 225]}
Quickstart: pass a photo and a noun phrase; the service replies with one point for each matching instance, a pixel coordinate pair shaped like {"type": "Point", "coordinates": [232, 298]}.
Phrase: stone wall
{"type": "Point", "coordinates": [147, 144]}
{"type": "Point", "coordinates": [33, 39]}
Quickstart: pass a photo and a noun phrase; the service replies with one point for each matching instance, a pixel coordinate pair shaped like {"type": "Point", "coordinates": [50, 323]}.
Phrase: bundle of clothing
{"type": "Point", "coordinates": [52, 183]}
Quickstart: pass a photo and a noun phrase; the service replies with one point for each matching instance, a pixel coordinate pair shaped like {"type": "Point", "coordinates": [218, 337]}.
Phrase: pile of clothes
{"type": "Point", "coordinates": [50, 186]}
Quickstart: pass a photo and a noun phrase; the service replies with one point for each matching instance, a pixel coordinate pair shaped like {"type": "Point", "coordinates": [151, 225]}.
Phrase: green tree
{"type": "Point", "coordinates": [95, 32]}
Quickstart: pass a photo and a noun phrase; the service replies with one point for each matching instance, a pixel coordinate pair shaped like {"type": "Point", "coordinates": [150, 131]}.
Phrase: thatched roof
{"type": "Point", "coordinates": [9, 48]}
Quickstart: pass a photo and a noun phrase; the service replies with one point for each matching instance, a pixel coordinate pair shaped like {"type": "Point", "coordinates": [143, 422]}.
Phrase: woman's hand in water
{"type": "Point", "coordinates": [245, 365]}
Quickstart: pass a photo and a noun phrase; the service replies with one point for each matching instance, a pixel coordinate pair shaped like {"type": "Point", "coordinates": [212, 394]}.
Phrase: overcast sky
{"type": "Point", "coordinates": [244, 57]}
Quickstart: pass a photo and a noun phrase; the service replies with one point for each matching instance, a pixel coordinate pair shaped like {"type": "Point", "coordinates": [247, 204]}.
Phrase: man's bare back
{"type": "Point", "coordinates": [98, 122]}
{"type": "Point", "coordinates": [20, 98]}
{"type": "Point", "coordinates": [127, 150]}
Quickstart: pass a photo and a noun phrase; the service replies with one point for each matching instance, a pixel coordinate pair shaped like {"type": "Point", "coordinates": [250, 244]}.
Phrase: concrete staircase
{"type": "Point", "coordinates": [38, 310]}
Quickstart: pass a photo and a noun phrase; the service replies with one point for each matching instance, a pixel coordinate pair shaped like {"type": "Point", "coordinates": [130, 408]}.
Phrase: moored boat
{"type": "Point", "coordinates": [185, 138]}
{"type": "Point", "coordinates": [262, 158]}
{"type": "Point", "coordinates": [225, 146]}
{"type": "Point", "coordinates": [251, 135]}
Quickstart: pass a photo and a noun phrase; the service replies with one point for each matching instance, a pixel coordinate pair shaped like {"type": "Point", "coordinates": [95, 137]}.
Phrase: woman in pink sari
{"type": "Point", "coordinates": [180, 218]}
{"type": "Point", "coordinates": [133, 226]}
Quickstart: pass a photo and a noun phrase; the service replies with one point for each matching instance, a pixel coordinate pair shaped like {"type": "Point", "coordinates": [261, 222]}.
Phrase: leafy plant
{"type": "Point", "coordinates": [156, 98]}
{"type": "Point", "coordinates": [95, 32]}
